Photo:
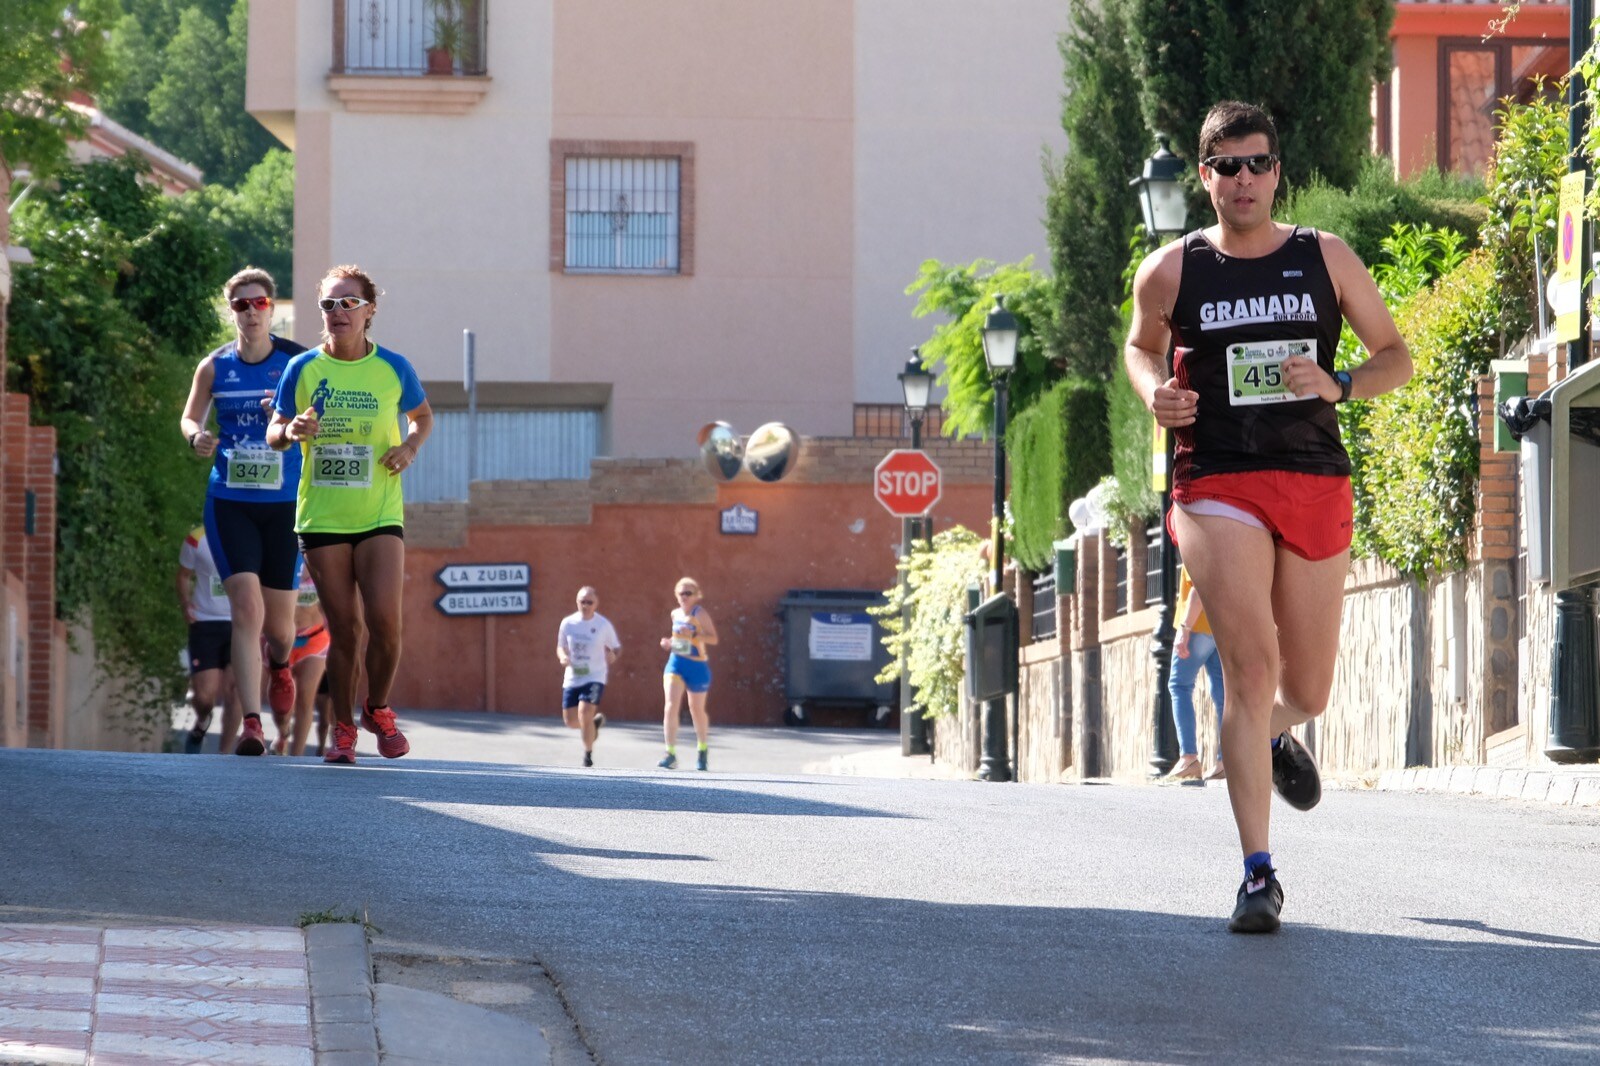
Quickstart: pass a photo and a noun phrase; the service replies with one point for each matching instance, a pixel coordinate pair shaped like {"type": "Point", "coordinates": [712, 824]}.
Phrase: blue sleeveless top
{"type": "Point", "coordinates": [244, 467]}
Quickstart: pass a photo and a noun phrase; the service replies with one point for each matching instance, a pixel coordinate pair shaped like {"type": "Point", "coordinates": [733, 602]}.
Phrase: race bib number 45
{"type": "Point", "coordinates": [1255, 371]}
{"type": "Point", "coordinates": [341, 466]}
{"type": "Point", "coordinates": [255, 468]}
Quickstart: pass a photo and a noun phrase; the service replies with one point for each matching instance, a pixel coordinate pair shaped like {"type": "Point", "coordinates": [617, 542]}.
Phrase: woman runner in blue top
{"type": "Point", "coordinates": [249, 513]}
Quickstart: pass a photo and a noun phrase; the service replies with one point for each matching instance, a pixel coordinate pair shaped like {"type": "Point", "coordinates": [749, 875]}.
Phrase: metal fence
{"type": "Point", "coordinates": [392, 37]}
{"type": "Point", "coordinates": [512, 446]}
{"type": "Point", "coordinates": [1122, 580]}
{"type": "Point", "coordinates": [1044, 606]}
{"type": "Point", "coordinates": [1152, 566]}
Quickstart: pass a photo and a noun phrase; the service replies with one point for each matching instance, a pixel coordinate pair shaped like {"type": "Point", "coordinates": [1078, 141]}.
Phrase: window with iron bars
{"type": "Point", "coordinates": [622, 215]}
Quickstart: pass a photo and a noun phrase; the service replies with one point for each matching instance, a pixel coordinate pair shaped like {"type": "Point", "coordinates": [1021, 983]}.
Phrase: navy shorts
{"type": "Point", "coordinates": [210, 646]}
{"type": "Point", "coordinates": [588, 692]}
{"type": "Point", "coordinates": [249, 537]}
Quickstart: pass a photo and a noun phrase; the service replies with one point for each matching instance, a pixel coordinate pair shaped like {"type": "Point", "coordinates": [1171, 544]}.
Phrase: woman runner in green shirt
{"type": "Point", "coordinates": [342, 403]}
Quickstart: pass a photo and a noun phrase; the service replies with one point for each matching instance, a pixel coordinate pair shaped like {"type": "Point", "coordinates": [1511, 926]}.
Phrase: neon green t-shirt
{"type": "Point", "coordinates": [343, 487]}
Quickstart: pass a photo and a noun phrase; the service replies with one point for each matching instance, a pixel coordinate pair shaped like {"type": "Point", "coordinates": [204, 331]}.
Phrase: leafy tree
{"type": "Point", "coordinates": [48, 50]}
{"type": "Point", "coordinates": [197, 108]}
{"type": "Point", "coordinates": [1310, 64]}
{"type": "Point", "coordinates": [955, 352]}
{"type": "Point", "coordinates": [1090, 207]}
{"type": "Point", "coordinates": [135, 69]}
{"type": "Point", "coordinates": [257, 218]}
{"type": "Point", "coordinates": [106, 327]}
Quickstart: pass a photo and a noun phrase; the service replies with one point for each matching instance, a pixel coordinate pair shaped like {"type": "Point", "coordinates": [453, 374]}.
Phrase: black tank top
{"type": "Point", "coordinates": [1232, 324]}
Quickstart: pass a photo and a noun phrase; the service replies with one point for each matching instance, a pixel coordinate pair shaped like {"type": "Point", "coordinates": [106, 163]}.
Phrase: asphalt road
{"type": "Point", "coordinates": [743, 917]}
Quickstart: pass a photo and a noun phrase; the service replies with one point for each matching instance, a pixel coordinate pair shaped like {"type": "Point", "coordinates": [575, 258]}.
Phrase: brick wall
{"type": "Point", "coordinates": [632, 529]}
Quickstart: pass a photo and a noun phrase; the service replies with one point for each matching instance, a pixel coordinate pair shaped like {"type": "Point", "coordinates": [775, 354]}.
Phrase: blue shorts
{"type": "Point", "coordinates": [696, 673]}
{"type": "Point", "coordinates": [588, 692]}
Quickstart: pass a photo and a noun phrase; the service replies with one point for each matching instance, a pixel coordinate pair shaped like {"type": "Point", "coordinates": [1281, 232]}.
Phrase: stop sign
{"type": "Point", "coordinates": [907, 483]}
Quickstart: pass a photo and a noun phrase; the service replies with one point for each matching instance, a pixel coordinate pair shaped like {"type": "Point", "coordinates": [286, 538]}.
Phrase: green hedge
{"type": "Point", "coordinates": [1415, 450]}
{"type": "Point", "coordinates": [1132, 435]}
{"type": "Point", "coordinates": [1367, 213]}
{"type": "Point", "coordinates": [1059, 449]}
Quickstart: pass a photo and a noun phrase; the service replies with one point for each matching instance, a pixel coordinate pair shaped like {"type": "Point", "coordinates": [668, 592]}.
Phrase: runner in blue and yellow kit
{"type": "Point", "coordinates": [342, 403]}
{"type": "Point", "coordinates": [249, 514]}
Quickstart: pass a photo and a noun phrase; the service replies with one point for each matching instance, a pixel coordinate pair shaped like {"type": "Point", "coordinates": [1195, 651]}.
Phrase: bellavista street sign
{"type": "Point", "coordinates": [907, 483]}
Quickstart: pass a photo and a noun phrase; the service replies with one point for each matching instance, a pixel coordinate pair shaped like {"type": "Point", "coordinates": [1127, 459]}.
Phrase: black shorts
{"type": "Point", "coordinates": [310, 541]}
{"type": "Point", "coordinates": [254, 538]}
{"type": "Point", "coordinates": [210, 646]}
{"type": "Point", "coordinates": [588, 692]}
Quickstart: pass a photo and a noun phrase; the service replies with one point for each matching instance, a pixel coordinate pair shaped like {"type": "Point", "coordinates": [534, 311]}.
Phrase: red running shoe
{"type": "Point", "coordinates": [280, 690]}
{"type": "Point", "coordinates": [342, 745]}
{"type": "Point", "coordinates": [380, 720]}
{"type": "Point", "coordinates": [252, 741]}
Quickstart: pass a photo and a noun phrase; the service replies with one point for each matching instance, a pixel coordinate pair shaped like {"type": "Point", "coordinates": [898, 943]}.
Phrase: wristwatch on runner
{"type": "Point", "coordinates": [1343, 378]}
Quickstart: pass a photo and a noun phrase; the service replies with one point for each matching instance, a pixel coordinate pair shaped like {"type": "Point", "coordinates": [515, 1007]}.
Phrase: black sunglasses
{"type": "Point", "coordinates": [1229, 165]}
{"type": "Point", "coordinates": [586, 603]}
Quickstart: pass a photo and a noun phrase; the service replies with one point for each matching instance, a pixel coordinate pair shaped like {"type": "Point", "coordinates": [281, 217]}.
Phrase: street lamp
{"type": "Point", "coordinates": [915, 386]}
{"type": "Point", "coordinates": [1000, 353]}
{"type": "Point", "coordinates": [1165, 205]}
{"type": "Point", "coordinates": [1162, 198]}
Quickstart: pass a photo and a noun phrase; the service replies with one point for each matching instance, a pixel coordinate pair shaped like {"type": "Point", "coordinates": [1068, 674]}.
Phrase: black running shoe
{"type": "Point", "coordinates": [588, 758]}
{"type": "Point", "coordinates": [1294, 774]}
{"type": "Point", "coordinates": [599, 720]}
{"type": "Point", "coordinates": [1260, 901]}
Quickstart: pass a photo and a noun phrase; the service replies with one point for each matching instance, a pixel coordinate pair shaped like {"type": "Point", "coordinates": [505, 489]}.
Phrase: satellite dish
{"type": "Point", "coordinates": [720, 450]}
{"type": "Point", "coordinates": [772, 451]}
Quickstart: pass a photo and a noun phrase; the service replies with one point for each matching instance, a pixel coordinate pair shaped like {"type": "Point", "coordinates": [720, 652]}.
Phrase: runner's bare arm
{"type": "Point", "coordinates": [1388, 363]}
{"type": "Point", "coordinates": [707, 629]}
{"type": "Point", "coordinates": [193, 422]}
{"type": "Point", "coordinates": [419, 423]}
{"type": "Point", "coordinates": [1155, 290]}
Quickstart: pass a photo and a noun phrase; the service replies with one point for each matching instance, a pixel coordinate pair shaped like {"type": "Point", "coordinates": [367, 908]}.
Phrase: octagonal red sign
{"type": "Point", "coordinates": [908, 483]}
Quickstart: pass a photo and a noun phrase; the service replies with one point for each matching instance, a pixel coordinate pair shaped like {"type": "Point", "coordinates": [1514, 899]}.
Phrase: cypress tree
{"type": "Point", "coordinates": [1311, 64]}
{"type": "Point", "coordinates": [1090, 210]}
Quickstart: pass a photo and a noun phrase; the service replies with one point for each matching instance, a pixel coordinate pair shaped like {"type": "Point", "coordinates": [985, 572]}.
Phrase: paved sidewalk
{"type": "Point", "coordinates": [91, 996]}
{"type": "Point", "coordinates": [1574, 786]}
{"type": "Point", "coordinates": [73, 994]}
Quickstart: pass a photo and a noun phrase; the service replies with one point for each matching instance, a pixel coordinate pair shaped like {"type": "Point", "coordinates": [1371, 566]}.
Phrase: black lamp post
{"type": "Point", "coordinates": [915, 385]}
{"type": "Point", "coordinates": [1165, 206]}
{"type": "Point", "coordinates": [1000, 353]}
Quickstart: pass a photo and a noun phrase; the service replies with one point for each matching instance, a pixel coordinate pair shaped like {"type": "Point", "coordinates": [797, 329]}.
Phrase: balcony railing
{"type": "Point", "coordinates": [1044, 606]}
{"type": "Point", "coordinates": [394, 37]}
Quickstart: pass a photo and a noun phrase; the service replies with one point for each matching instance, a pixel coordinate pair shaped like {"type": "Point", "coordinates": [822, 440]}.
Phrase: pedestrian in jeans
{"type": "Point", "coordinates": [1193, 650]}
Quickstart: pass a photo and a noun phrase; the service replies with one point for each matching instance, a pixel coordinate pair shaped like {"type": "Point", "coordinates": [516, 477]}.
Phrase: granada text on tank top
{"type": "Point", "coordinates": [1233, 324]}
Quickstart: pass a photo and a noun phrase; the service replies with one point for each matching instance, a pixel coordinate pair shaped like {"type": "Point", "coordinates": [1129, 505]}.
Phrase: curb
{"type": "Point", "coordinates": [1558, 787]}
{"type": "Point", "coordinates": [343, 1028]}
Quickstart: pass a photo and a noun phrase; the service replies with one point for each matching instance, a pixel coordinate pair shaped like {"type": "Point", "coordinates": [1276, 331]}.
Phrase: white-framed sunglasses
{"type": "Point", "coordinates": [343, 303]}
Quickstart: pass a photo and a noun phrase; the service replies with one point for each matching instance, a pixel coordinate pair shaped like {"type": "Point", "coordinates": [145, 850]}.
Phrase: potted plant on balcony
{"type": "Point", "coordinates": [448, 36]}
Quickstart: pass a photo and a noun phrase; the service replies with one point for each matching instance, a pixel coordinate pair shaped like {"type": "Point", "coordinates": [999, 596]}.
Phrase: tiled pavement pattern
{"type": "Point", "coordinates": [138, 997]}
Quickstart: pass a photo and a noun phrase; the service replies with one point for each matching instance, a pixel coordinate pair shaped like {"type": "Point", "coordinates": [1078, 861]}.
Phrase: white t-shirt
{"type": "Point", "coordinates": [585, 643]}
{"type": "Point", "coordinates": [207, 597]}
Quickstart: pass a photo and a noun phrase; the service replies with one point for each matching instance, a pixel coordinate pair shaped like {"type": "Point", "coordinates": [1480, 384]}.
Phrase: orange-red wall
{"type": "Point", "coordinates": [811, 536]}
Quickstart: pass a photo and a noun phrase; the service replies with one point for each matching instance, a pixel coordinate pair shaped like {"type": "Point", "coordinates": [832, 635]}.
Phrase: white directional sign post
{"type": "Point", "coordinates": [484, 588]}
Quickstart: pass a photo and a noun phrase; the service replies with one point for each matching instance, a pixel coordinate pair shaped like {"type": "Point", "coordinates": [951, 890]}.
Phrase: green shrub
{"type": "Point", "coordinates": [1367, 213]}
{"type": "Point", "coordinates": [935, 591]}
{"type": "Point", "coordinates": [1530, 159]}
{"type": "Point", "coordinates": [1058, 449]}
{"type": "Point", "coordinates": [1132, 438]}
{"type": "Point", "coordinates": [1416, 449]}
{"type": "Point", "coordinates": [106, 328]}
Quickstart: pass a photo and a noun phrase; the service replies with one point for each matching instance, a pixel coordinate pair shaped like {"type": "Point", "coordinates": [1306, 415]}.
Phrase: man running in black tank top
{"type": "Point", "coordinates": [1250, 312]}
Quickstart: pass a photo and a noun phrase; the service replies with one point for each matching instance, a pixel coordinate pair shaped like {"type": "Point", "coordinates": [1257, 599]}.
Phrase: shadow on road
{"type": "Point", "coordinates": [657, 966]}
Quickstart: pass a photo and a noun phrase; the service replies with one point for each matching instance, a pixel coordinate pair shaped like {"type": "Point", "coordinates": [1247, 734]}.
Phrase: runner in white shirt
{"type": "Point", "coordinates": [206, 609]}
{"type": "Point", "coordinates": [586, 644]}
